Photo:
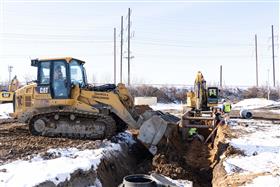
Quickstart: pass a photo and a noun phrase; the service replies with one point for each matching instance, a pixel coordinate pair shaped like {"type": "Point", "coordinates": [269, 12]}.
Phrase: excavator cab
{"type": "Point", "coordinates": [57, 76]}
{"type": "Point", "coordinates": [212, 96]}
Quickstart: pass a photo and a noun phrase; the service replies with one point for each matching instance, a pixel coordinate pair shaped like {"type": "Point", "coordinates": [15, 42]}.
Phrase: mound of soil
{"type": "Point", "coordinates": [140, 109]}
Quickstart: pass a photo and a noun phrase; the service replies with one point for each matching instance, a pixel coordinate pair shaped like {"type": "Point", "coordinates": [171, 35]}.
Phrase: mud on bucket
{"type": "Point", "coordinates": [246, 114]}
{"type": "Point", "coordinates": [138, 180]}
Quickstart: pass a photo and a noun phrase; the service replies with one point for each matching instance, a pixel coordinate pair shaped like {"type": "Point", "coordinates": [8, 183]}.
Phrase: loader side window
{"type": "Point", "coordinates": [76, 71]}
{"type": "Point", "coordinates": [44, 73]}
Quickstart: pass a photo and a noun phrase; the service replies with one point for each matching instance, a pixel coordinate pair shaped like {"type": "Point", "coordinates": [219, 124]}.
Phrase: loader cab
{"type": "Point", "coordinates": [56, 76]}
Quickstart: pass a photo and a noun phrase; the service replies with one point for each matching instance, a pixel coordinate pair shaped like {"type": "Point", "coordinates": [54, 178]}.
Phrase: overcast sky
{"type": "Point", "coordinates": [171, 41]}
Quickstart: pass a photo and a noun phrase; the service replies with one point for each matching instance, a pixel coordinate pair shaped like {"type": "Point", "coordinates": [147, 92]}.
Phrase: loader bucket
{"type": "Point", "coordinates": [152, 130]}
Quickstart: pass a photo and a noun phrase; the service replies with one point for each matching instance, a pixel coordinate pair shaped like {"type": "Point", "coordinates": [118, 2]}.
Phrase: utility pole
{"type": "Point", "coordinates": [256, 48]}
{"type": "Point", "coordinates": [221, 81]}
{"type": "Point", "coordinates": [273, 55]}
{"type": "Point", "coordinates": [221, 76]}
{"type": "Point", "coordinates": [128, 48]}
{"type": "Point", "coordinates": [268, 89]}
{"type": "Point", "coordinates": [121, 48]}
{"type": "Point", "coordinates": [115, 68]}
{"type": "Point", "coordinates": [10, 72]}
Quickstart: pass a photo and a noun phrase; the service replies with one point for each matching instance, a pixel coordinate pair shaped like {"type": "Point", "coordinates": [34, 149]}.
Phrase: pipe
{"type": "Point", "coordinates": [246, 114]}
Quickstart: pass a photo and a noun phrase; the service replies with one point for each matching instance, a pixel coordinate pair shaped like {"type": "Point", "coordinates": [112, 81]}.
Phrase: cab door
{"type": "Point", "coordinates": [60, 83]}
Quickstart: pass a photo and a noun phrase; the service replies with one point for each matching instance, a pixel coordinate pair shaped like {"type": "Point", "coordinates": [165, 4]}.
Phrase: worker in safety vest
{"type": "Point", "coordinates": [226, 111]}
{"type": "Point", "coordinates": [226, 107]}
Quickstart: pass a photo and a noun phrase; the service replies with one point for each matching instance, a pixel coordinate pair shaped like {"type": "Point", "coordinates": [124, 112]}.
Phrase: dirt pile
{"type": "Point", "coordinates": [140, 109]}
{"type": "Point", "coordinates": [169, 168]}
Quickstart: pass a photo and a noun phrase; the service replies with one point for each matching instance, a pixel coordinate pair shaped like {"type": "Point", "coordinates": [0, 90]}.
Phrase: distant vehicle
{"type": "Point", "coordinates": [7, 95]}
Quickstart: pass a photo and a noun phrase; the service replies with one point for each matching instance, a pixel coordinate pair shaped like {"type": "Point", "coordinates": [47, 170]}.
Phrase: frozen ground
{"type": "Point", "coordinates": [5, 110]}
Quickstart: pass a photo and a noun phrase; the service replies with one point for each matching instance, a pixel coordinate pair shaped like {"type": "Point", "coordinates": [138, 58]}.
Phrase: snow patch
{"type": "Point", "coordinates": [259, 138]}
{"type": "Point", "coordinates": [5, 110]}
{"type": "Point", "coordinates": [268, 180]}
{"type": "Point", "coordinates": [169, 106]}
{"type": "Point", "coordinates": [125, 137]}
{"type": "Point", "coordinates": [263, 162]}
{"type": "Point", "coordinates": [254, 103]}
{"type": "Point", "coordinates": [181, 183]}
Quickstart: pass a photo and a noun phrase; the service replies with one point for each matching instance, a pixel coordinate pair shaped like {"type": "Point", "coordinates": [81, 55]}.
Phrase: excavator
{"type": "Point", "coordinates": [61, 103]}
{"type": "Point", "coordinates": [7, 95]}
{"type": "Point", "coordinates": [201, 108]}
{"type": "Point", "coordinates": [202, 98]}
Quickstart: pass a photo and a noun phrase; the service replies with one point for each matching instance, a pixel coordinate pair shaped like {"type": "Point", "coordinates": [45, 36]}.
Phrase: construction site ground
{"type": "Point", "coordinates": [27, 160]}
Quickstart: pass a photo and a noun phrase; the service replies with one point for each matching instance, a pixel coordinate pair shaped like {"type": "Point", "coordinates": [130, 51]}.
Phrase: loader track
{"type": "Point", "coordinates": [73, 124]}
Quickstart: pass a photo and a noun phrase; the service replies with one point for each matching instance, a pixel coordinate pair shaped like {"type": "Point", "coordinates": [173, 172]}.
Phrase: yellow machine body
{"type": "Point", "coordinates": [7, 96]}
{"type": "Point", "coordinates": [202, 98]}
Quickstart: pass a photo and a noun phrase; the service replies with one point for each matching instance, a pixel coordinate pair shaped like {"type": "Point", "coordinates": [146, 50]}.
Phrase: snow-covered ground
{"type": "Point", "coordinates": [260, 142]}
{"type": "Point", "coordinates": [59, 165]}
{"type": "Point", "coordinates": [5, 110]}
{"type": "Point", "coordinates": [254, 103]}
{"type": "Point", "coordinates": [58, 169]}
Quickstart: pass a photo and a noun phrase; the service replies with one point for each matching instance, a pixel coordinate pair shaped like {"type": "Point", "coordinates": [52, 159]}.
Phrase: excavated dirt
{"type": "Point", "coordinates": [140, 109]}
{"type": "Point", "coordinates": [182, 159]}
{"type": "Point", "coordinates": [17, 143]}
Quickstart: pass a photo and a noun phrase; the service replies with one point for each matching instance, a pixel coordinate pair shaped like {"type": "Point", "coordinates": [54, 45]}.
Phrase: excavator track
{"type": "Point", "coordinates": [73, 124]}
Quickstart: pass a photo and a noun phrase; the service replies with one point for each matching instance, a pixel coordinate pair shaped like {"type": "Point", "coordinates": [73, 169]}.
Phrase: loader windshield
{"type": "Point", "coordinates": [77, 74]}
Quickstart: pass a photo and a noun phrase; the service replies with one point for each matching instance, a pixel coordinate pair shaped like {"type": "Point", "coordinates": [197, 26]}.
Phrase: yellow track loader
{"type": "Point", "coordinates": [60, 103]}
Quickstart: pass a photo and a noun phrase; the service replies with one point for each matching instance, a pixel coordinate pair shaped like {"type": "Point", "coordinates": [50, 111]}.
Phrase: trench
{"type": "Point", "coordinates": [176, 158]}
